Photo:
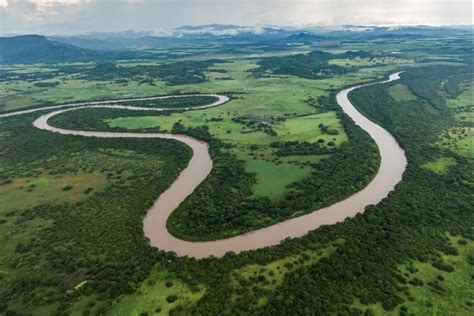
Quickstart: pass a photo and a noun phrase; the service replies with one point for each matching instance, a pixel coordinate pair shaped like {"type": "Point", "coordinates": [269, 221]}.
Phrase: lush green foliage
{"type": "Point", "coordinates": [218, 209]}
{"type": "Point", "coordinates": [74, 243]}
{"type": "Point", "coordinates": [363, 275]}
{"type": "Point", "coordinates": [176, 73]}
{"type": "Point", "coordinates": [180, 102]}
{"type": "Point", "coordinates": [50, 247]}
{"type": "Point", "coordinates": [211, 212]}
{"type": "Point", "coordinates": [314, 65]}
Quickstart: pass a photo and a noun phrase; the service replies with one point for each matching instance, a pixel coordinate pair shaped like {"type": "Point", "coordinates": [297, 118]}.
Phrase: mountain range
{"type": "Point", "coordinates": [132, 44]}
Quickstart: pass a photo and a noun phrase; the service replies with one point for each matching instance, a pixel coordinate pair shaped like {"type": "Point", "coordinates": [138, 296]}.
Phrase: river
{"type": "Point", "coordinates": [392, 166]}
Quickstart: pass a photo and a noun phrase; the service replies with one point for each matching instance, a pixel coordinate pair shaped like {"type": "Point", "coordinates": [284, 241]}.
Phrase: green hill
{"type": "Point", "coordinates": [28, 49]}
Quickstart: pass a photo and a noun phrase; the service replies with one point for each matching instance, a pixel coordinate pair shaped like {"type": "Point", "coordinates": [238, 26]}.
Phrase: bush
{"type": "Point", "coordinates": [416, 282]}
{"type": "Point", "coordinates": [171, 298]}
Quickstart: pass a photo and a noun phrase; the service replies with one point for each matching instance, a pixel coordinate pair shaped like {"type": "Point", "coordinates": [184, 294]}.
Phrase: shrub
{"type": "Point", "coordinates": [171, 298]}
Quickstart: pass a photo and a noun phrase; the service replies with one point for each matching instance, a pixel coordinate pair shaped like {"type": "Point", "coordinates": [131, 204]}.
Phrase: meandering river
{"type": "Point", "coordinates": [392, 165]}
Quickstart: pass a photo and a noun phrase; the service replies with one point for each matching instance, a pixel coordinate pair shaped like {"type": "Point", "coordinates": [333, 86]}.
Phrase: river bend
{"type": "Point", "coordinates": [392, 165]}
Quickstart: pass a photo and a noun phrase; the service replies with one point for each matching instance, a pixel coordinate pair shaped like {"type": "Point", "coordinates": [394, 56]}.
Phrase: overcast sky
{"type": "Point", "coordinates": [82, 16]}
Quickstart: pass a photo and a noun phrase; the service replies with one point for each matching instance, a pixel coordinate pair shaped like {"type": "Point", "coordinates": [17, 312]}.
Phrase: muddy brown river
{"type": "Point", "coordinates": [392, 165]}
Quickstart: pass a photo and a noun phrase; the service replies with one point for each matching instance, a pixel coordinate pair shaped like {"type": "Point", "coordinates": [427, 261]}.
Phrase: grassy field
{"type": "Point", "coordinates": [400, 92]}
{"type": "Point", "coordinates": [303, 128]}
{"type": "Point", "coordinates": [272, 178]}
{"type": "Point", "coordinates": [15, 94]}
{"type": "Point", "coordinates": [463, 105]}
{"type": "Point", "coordinates": [281, 101]}
{"type": "Point", "coordinates": [306, 128]}
{"type": "Point", "coordinates": [441, 165]}
{"type": "Point", "coordinates": [158, 294]}
{"type": "Point", "coordinates": [443, 293]}
{"type": "Point", "coordinates": [459, 140]}
{"type": "Point", "coordinates": [464, 99]}
{"type": "Point", "coordinates": [28, 192]}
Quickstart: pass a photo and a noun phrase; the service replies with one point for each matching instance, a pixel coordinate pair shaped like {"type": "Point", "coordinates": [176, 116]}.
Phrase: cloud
{"type": "Point", "coordinates": [82, 16]}
{"type": "Point", "coordinates": [229, 30]}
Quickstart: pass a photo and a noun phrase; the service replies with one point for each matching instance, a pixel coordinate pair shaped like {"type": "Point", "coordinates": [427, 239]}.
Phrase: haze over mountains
{"type": "Point", "coordinates": [132, 44]}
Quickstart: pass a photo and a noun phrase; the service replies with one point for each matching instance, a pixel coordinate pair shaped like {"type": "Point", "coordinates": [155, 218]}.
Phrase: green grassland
{"type": "Point", "coordinates": [431, 291]}
{"type": "Point", "coordinates": [28, 192]}
{"type": "Point", "coordinates": [441, 165]}
{"type": "Point", "coordinates": [459, 140]}
{"type": "Point", "coordinates": [16, 94]}
{"type": "Point", "coordinates": [464, 99]}
{"type": "Point", "coordinates": [463, 105]}
{"type": "Point", "coordinates": [305, 128]}
{"type": "Point", "coordinates": [273, 178]}
{"type": "Point", "coordinates": [400, 92]}
{"type": "Point", "coordinates": [443, 293]}
{"type": "Point", "coordinates": [280, 100]}
{"type": "Point", "coordinates": [157, 295]}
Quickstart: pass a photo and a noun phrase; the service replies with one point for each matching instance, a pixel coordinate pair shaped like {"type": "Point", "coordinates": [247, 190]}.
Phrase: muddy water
{"type": "Point", "coordinates": [393, 163]}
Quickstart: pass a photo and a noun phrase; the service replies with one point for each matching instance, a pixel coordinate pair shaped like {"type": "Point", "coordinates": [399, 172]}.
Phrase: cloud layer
{"type": "Point", "coordinates": [81, 16]}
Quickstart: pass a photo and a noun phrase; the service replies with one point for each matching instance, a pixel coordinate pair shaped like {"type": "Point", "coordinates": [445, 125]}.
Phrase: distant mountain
{"type": "Point", "coordinates": [142, 45]}
{"type": "Point", "coordinates": [307, 38]}
{"type": "Point", "coordinates": [27, 49]}
{"type": "Point", "coordinates": [90, 43]}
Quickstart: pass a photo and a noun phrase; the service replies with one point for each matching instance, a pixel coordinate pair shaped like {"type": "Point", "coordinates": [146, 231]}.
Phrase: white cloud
{"type": "Point", "coordinates": [81, 16]}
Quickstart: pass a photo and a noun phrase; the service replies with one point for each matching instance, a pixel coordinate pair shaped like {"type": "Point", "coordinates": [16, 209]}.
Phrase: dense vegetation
{"type": "Point", "coordinates": [314, 65]}
{"type": "Point", "coordinates": [408, 227]}
{"type": "Point", "coordinates": [179, 102]}
{"type": "Point", "coordinates": [71, 239]}
{"type": "Point", "coordinates": [211, 212]}
{"type": "Point", "coordinates": [176, 73]}
{"type": "Point", "coordinates": [223, 205]}
{"type": "Point", "coordinates": [55, 246]}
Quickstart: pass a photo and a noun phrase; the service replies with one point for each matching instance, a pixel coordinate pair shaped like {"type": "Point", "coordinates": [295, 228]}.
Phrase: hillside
{"type": "Point", "coordinates": [28, 49]}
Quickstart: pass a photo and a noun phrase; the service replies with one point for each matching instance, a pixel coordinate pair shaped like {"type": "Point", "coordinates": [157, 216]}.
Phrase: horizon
{"type": "Point", "coordinates": [53, 17]}
{"type": "Point", "coordinates": [178, 31]}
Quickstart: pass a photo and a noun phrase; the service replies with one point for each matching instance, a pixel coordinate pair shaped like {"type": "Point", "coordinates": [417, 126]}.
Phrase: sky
{"type": "Point", "coordinates": [66, 17]}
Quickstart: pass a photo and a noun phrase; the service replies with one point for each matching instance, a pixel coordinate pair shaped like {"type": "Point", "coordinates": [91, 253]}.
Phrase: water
{"type": "Point", "coordinates": [392, 165]}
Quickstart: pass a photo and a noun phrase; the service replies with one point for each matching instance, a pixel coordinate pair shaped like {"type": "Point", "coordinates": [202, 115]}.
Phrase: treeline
{"type": "Point", "coordinates": [175, 73]}
{"type": "Point", "coordinates": [174, 102]}
{"type": "Point", "coordinates": [314, 65]}
{"type": "Point", "coordinates": [428, 89]}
